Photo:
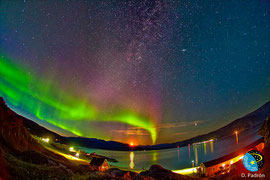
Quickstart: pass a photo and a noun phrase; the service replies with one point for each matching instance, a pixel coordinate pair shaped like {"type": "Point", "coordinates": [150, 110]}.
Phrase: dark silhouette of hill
{"type": "Point", "coordinates": [13, 135]}
{"type": "Point", "coordinates": [23, 157]}
{"type": "Point", "coordinates": [36, 129]}
{"type": "Point", "coordinates": [17, 146]}
{"type": "Point", "coordinates": [98, 143]}
{"type": "Point", "coordinates": [252, 120]}
{"type": "Point", "coordinates": [265, 131]}
{"type": "Point", "coordinates": [15, 131]}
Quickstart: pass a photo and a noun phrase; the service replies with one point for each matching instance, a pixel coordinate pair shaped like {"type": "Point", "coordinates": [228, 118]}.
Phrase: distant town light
{"type": "Point", "coordinates": [231, 161]}
{"type": "Point", "coordinates": [77, 154]}
{"type": "Point", "coordinates": [46, 140]}
{"type": "Point", "coordinates": [71, 149]}
{"type": "Point", "coordinates": [192, 163]}
{"type": "Point", "coordinates": [223, 165]}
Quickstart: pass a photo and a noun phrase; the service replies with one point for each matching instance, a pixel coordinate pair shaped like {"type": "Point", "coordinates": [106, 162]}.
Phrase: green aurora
{"type": "Point", "coordinates": [47, 102]}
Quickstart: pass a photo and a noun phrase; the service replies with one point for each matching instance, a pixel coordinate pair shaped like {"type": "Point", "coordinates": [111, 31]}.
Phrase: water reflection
{"type": "Point", "coordinates": [201, 150]}
{"type": "Point", "coordinates": [212, 146]}
{"type": "Point", "coordinates": [236, 136]}
{"type": "Point", "coordinates": [204, 147]}
{"type": "Point", "coordinates": [131, 159]}
{"type": "Point", "coordinates": [170, 158]}
{"type": "Point", "coordinates": [155, 154]}
{"type": "Point", "coordinates": [189, 149]}
{"type": "Point", "coordinates": [178, 152]}
{"type": "Point", "coordinates": [196, 154]}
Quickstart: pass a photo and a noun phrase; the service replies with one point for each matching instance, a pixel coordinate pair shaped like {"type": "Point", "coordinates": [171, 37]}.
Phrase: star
{"type": "Point", "coordinates": [252, 162]}
{"type": "Point", "coordinates": [153, 59]}
{"type": "Point", "coordinates": [184, 50]}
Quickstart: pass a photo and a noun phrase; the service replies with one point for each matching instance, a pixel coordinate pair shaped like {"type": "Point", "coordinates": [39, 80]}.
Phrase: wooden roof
{"type": "Point", "coordinates": [97, 161]}
{"type": "Point", "coordinates": [232, 155]}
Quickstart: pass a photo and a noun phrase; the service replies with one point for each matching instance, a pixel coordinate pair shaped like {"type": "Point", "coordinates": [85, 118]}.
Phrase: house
{"type": "Point", "coordinates": [223, 164]}
{"type": "Point", "coordinates": [99, 164]}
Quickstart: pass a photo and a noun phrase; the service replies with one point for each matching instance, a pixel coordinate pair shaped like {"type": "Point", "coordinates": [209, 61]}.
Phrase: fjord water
{"type": "Point", "coordinates": [179, 158]}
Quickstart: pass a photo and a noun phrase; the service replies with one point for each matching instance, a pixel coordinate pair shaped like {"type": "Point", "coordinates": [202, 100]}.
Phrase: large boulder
{"type": "Point", "coordinates": [117, 173]}
{"type": "Point", "coordinates": [160, 173]}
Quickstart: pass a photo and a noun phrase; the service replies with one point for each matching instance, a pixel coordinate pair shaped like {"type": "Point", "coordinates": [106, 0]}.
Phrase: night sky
{"type": "Point", "coordinates": [141, 71]}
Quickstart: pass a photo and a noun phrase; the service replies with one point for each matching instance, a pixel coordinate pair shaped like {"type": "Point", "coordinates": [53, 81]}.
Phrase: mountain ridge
{"type": "Point", "coordinates": [250, 120]}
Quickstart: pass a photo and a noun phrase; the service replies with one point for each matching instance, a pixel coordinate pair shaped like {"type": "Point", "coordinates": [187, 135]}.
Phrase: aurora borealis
{"type": "Point", "coordinates": [53, 105]}
{"type": "Point", "coordinates": [146, 71]}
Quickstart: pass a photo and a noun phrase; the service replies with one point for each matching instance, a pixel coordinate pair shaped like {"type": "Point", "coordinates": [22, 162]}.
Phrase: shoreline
{"type": "Point", "coordinates": [192, 171]}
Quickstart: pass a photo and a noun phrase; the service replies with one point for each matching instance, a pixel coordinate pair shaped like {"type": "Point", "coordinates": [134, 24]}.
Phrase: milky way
{"type": "Point", "coordinates": [141, 71]}
{"type": "Point", "coordinates": [145, 23]}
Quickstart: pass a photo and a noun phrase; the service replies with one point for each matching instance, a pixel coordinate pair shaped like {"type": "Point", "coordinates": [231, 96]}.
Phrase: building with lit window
{"type": "Point", "coordinates": [223, 164]}
{"type": "Point", "coordinates": [100, 164]}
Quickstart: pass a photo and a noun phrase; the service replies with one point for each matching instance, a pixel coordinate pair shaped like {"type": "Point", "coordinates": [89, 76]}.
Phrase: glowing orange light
{"type": "Point", "coordinates": [131, 144]}
{"type": "Point", "coordinates": [236, 136]}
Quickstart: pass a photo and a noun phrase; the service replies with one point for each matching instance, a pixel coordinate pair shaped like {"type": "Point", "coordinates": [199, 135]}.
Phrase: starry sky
{"type": "Point", "coordinates": [140, 71]}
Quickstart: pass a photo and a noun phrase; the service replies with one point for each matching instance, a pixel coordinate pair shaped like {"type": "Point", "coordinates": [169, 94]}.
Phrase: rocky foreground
{"type": "Point", "coordinates": [22, 157]}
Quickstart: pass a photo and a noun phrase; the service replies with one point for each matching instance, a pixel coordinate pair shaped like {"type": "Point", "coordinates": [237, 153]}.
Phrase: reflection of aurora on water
{"type": "Point", "coordinates": [178, 158]}
{"type": "Point", "coordinates": [131, 157]}
{"type": "Point", "coordinates": [155, 156]}
{"type": "Point", "coordinates": [46, 101]}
